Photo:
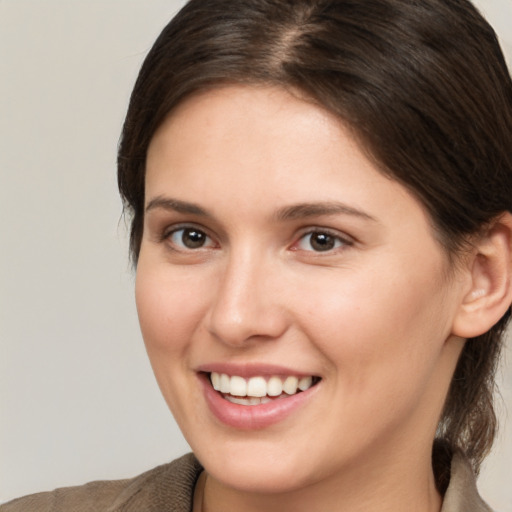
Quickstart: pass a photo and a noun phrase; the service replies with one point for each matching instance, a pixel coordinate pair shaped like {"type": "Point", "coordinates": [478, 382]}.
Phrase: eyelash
{"type": "Point", "coordinates": [330, 238]}
{"type": "Point", "coordinates": [339, 241]}
{"type": "Point", "coordinates": [169, 234]}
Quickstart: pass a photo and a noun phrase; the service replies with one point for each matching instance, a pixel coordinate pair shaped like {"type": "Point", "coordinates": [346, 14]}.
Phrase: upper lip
{"type": "Point", "coordinates": [249, 370]}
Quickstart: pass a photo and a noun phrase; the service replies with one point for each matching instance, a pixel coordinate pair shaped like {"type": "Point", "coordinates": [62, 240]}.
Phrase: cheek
{"type": "Point", "coordinates": [169, 307]}
{"type": "Point", "coordinates": [382, 331]}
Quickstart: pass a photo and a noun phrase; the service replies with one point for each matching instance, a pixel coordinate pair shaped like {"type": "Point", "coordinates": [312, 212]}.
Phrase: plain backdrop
{"type": "Point", "coordinates": [77, 397]}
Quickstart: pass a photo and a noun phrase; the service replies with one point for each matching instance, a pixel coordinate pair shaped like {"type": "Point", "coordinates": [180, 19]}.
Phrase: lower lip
{"type": "Point", "coordinates": [252, 417]}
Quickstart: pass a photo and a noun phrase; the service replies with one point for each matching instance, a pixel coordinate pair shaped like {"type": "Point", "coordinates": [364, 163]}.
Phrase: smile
{"type": "Point", "coordinates": [258, 389]}
{"type": "Point", "coordinates": [258, 400]}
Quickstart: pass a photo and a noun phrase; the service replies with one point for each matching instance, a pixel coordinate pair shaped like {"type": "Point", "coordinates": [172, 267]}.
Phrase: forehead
{"type": "Point", "coordinates": [231, 108]}
{"type": "Point", "coordinates": [263, 145]}
{"type": "Point", "coordinates": [249, 126]}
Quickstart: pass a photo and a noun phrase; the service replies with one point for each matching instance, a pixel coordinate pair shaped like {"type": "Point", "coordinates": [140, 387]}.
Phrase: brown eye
{"type": "Point", "coordinates": [321, 241]}
{"type": "Point", "coordinates": [190, 238]}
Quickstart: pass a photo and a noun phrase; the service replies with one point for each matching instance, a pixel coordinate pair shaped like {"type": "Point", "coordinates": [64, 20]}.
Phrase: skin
{"type": "Point", "coordinates": [373, 316]}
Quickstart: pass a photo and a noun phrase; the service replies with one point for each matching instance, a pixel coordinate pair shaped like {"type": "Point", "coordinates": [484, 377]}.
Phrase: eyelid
{"type": "Point", "coordinates": [168, 231]}
{"type": "Point", "coordinates": [345, 239]}
{"type": "Point", "coordinates": [341, 236]}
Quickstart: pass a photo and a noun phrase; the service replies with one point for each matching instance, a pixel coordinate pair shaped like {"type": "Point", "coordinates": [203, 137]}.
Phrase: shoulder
{"type": "Point", "coordinates": [462, 494]}
{"type": "Point", "coordinates": [169, 486]}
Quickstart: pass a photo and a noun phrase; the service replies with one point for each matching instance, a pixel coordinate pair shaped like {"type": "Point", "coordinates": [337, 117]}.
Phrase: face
{"type": "Point", "coordinates": [277, 262]}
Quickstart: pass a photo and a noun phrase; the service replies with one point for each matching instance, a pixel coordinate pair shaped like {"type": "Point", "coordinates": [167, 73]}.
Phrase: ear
{"type": "Point", "coordinates": [490, 280]}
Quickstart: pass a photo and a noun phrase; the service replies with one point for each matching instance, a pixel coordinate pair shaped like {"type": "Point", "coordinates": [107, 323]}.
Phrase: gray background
{"type": "Point", "coordinates": [77, 397]}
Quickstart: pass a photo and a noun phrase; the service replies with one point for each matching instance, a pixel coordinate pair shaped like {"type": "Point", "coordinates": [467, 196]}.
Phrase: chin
{"type": "Point", "coordinates": [259, 466]}
{"type": "Point", "coordinates": [257, 476]}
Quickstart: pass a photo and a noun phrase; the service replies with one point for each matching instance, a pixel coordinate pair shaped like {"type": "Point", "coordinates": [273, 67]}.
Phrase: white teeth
{"type": "Point", "coordinates": [305, 383]}
{"type": "Point", "coordinates": [274, 386]}
{"type": "Point", "coordinates": [238, 386]}
{"type": "Point", "coordinates": [257, 386]}
{"type": "Point", "coordinates": [257, 389]}
{"type": "Point", "coordinates": [225, 383]}
{"type": "Point", "coordinates": [290, 385]}
{"type": "Point", "coordinates": [236, 400]}
{"type": "Point", "coordinates": [248, 401]}
{"type": "Point", "coordinates": [215, 378]}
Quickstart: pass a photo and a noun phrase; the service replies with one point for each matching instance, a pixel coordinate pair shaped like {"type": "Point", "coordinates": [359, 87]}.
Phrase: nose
{"type": "Point", "coordinates": [247, 305]}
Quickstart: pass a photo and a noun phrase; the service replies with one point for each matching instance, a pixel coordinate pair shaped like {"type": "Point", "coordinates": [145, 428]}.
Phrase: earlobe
{"type": "Point", "coordinates": [490, 271]}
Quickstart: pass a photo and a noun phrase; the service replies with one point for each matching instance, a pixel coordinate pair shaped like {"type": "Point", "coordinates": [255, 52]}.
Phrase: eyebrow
{"type": "Point", "coordinates": [292, 212]}
{"type": "Point", "coordinates": [168, 203]}
{"type": "Point", "coordinates": [304, 210]}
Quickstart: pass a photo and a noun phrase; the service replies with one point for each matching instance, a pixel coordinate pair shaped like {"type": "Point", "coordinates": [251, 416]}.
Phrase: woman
{"type": "Point", "coordinates": [321, 197]}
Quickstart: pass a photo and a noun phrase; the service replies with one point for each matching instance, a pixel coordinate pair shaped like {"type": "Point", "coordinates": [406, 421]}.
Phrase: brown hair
{"type": "Point", "coordinates": [424, 87]}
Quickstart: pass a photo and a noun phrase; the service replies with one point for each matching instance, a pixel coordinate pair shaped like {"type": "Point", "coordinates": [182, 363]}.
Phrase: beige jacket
{"type": "Point", "coordinates": [169, 488]}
